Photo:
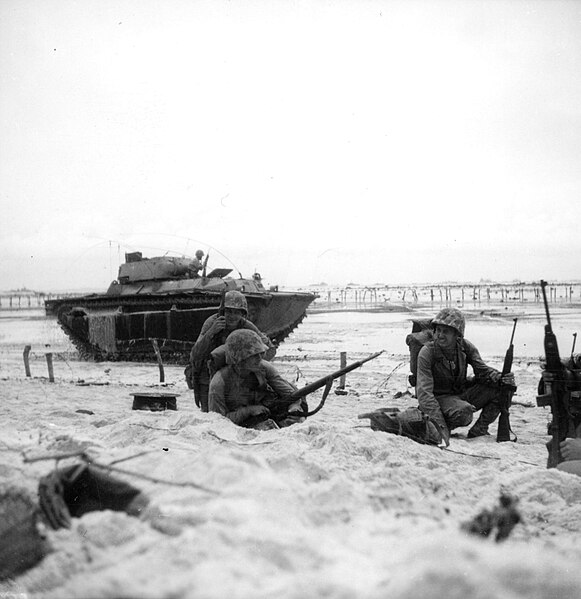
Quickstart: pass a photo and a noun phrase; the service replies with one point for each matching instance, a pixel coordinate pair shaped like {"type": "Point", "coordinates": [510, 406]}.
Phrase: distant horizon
{"type": "Point", "coordinates": [484, 283]}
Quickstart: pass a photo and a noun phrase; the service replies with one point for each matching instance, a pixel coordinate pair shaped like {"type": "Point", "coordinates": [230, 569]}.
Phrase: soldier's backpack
{"type": "Point", "coordinates": [411, 423]}
{"type": "Point", "coordinates": [420, 335]}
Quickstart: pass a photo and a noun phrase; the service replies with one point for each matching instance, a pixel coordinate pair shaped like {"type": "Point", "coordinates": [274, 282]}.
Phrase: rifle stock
{"type": "Point", "coordinates": [504, 430]}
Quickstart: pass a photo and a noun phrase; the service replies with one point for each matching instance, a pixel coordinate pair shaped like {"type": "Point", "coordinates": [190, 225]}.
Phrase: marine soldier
{"type": "Point", "coordinates": [247, 388]}
{"type": "Point", "coordinates": [196, 264]}
{"type": "Point", "coordinates": [443, 389]}
{"type": "Point", "coordinates": [231, 317]}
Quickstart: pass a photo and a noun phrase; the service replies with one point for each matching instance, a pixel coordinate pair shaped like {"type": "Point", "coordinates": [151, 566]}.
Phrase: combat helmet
{"type": "Point", "coordinates": [242, 344]}
{"type": "Point", "coordinates": [451, 317]}
{"type": "Point", "coordinates": [235, 299]}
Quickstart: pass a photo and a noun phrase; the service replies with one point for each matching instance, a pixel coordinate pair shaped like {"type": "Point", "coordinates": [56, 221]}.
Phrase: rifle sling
{"type": "Point", "coordinates": [328, 386]}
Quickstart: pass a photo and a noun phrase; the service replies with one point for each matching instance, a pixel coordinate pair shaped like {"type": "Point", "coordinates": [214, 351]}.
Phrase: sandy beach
{"type": "Point", "coordinates": [327, 508]}
{"type": "Point", "coordinates": [378, 159]}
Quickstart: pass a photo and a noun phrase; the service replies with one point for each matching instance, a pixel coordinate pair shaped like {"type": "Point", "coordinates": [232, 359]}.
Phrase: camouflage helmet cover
{"type": "Point", "coordinates": [235, 299]}
{"type": "Point", "coordinates": [451, 317]}
{"type": "Point", "coordinates": [242, 344]}
{"type": "Point", "coordinates": [199, 254]}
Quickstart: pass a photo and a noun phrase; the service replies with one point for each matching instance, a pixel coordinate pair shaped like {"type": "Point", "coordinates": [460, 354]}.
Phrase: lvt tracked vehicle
{"type": "Point", "coordinates": [158, 302]}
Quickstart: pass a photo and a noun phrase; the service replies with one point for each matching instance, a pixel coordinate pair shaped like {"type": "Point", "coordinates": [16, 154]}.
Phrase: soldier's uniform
{"type": "Point", "coordinates": [443, 388]}
{"type": "Point", "coordinates": [234, 390]}
{"type": "Point", "coordinates": [208, 341]}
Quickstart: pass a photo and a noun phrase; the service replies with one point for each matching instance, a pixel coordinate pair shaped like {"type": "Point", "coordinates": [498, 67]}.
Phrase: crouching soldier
{"type": "Point", "coordinates": [250, 391]}
{"type": "Point", "coordinates": [215, 330]}
{"type": "Point", "coordinates": [443, 390]}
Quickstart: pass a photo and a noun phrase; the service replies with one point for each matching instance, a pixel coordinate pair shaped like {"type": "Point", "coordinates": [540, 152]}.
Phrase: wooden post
{"type": "Point", "coordinates": [159, 362]}
{"type": "Point", "coordinates": [50, 370]}
{"type": "Point", "coordinates": [343, 364]}
{"type": "Point", "coordinates": [27, 349]}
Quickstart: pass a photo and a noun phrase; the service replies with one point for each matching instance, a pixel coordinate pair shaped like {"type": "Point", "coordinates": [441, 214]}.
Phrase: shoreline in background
{"type": "Point", "coordinates": [494, 301]}
{"type": "Point", "coordinates": [484, 309]}
{"type": "Point", "coordinates": [471, 297]}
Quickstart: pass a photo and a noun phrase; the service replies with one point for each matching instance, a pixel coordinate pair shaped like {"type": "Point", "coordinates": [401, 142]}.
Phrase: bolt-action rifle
{"type": "Point", "coordinates": [281, 405]}
{"type": "Point", "coordinates": [507, 391]}
{"type": "Point", "coordinates": [560, 389]}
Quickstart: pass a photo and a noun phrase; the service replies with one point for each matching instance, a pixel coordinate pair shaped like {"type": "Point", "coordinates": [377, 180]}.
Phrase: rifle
{"type": "Point", "coordinates": [560, 391]}
{"type": "Point", "coordinates": [504, 430]}
{"type": "Point", "coordinates": [221, 307]}
{"type": "Point", "coordinates": [205, 264]}
{"type": "Point", "coordinates": [326, 381]}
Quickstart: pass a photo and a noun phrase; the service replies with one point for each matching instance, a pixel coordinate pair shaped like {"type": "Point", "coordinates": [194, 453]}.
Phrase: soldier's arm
{"type": "Point", "coordinates": [425, 390]}
{"type": "Point", "coordinates": [482, 371]}
{"type": "Point", "coordinates": [217, 394]}
{"type": "Point", "coordinates": [279, 385]}
{"type": "Point", "coordinates": [217, 401]}
{"type": "Point", "coordinates": [203, 345]}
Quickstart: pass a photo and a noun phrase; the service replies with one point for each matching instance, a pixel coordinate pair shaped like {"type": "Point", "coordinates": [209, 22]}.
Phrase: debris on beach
{"type": "Point", "coordinates": [502, 519]}
{"type": "Point", "coordinates": [78, 489]}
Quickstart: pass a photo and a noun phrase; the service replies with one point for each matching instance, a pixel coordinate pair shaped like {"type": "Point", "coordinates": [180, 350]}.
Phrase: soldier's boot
{"type": "Point", "coordinates": [488, 415]}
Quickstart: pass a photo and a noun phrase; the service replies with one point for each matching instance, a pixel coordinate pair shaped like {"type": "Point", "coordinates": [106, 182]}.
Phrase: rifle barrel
{"type": "Point", "coordinates": [513, 330]}
{"type": "Point", "coordinates": [543, 285]}
{"type": "Point", "coordinates": [303, 391]}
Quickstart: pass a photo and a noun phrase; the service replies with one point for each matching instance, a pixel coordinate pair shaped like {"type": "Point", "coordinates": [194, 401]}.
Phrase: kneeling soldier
{"type": "Point", "coordinates": [250, 391]}
{"type": "Point", "coordinates": [443, 389]}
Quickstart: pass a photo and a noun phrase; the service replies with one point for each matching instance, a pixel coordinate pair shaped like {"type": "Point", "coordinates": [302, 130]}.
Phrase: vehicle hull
{"type": "Point", "coordinates": [127, 332]}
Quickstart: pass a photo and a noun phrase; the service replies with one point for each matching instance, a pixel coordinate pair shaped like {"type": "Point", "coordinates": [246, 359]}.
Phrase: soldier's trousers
{"type": "Point", "coordinates": [459, 410]}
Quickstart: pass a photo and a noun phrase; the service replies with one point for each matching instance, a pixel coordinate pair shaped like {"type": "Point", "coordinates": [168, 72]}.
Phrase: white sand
{"type": "Point", "coordinates": [328, 508]}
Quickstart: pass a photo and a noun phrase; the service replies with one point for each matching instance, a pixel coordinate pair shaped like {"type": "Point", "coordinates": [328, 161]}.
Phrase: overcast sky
{"type": "Point", "coordinates": [314, 141]}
